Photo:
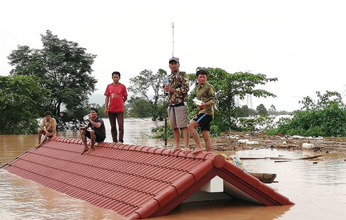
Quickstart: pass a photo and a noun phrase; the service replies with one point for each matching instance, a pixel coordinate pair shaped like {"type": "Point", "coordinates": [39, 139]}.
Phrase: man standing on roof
{"type": "Point", "coordinates": [97, 132]}
{"type": "Point", "coordinates": [177, 90]}
{"type": "Point", "coordinates": [47, 128]}
{"type": "Point", "coordinates": [116, 95]}
{"type": "Point", "coordinates": [206, 94]}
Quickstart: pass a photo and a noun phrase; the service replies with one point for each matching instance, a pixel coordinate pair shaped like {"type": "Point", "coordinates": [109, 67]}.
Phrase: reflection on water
{"type": "Point", "coordinates": [317, 189]}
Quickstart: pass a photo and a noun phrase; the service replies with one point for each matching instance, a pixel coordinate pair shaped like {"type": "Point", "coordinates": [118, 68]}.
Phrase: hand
{"type": "Point", "coordinates": [106, 111]}
{"type": "Point", "coordinates": [203, 105]}
{"type": "Point", "coordinates": [167, 88]}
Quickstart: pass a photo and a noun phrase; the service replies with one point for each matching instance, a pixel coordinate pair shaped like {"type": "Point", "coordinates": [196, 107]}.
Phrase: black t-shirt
{"type": "Point", "coordinates": [101, 130]}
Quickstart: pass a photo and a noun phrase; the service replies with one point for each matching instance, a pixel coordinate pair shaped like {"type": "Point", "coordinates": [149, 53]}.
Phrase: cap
{"type": "Point", "coordinates": [176, 59]}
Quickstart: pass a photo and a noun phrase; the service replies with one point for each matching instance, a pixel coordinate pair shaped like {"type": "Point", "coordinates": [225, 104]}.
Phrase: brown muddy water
{"type": "Point", "coordinates": [317, 187]}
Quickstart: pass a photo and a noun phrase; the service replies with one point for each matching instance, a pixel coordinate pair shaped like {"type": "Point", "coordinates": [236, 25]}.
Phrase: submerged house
{"type": "Point", "coordinates": [139, 181]}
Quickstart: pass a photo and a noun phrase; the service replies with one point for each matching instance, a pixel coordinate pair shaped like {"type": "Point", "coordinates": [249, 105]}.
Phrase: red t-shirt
{"type": "Point", "coordinates": [116, 96]}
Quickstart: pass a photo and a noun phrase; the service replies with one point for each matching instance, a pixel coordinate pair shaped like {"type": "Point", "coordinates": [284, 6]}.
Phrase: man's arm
{"type": "Point", "coordinates": [211, 97]}
{"type": "Point", "coordinates": [96, 124]}
{"type": "Point", "coordinates": [54, 126]}
{"type": "Point", "coordinates": [106, 105]}
{"type": "Point", "coordinates": [125, 94]}
{"type": "Point", "coordinates": [84, 127]}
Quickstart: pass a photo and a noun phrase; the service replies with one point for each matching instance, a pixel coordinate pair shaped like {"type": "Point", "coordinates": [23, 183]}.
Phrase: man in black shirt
{"type": "Point", "coordinates": [97, 132]}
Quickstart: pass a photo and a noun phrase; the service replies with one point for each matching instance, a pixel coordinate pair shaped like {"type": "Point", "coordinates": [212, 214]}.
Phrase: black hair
{"type": "Point", "coordinates": [94, 109]}
{"type": "Point", "coordinates": [48, 113]}
{"type": "Point", "coordinates": [117, 73]}
{"type": "Point", "coordinates": [201, 72]}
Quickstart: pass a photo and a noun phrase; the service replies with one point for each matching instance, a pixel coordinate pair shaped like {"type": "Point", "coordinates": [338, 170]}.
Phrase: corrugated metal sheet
{"type": "Point", "coordinates": [134, 181]}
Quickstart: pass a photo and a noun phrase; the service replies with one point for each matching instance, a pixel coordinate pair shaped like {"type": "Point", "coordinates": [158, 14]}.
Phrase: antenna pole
{"type": "Point", "coordinates": [172, 39]}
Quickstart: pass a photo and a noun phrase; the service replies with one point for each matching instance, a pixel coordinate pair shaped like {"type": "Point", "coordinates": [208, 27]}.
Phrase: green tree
{"type": "Point", "coordinates": [244, 111]}
{"type": "Point", "coordinates": [139, 108]}
{"type": "Point", "coordinates": [323, 100]}
{"type": "Point", "coordinates": [261, 110]}
{"type": "Point", "coordinates": [272, 110]}
{"type": "Point", "coordinates": [22, 101]}
{"type": "Point", "coordinates": [148, 86]}
{"type": "Point", "coordinates": [62, 67]}
{"type": "Point", "coordinates": [325, 117]}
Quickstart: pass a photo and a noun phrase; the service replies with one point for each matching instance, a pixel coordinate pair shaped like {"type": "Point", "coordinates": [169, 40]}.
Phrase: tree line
{"type": "Point", "coordinates": [60, 76]}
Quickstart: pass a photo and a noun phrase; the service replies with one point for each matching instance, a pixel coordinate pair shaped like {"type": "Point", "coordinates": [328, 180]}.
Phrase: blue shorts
{"type": "Point", "coordinates": [203, 120]}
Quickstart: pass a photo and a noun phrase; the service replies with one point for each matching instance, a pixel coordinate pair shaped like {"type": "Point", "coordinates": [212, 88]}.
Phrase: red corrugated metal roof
{"type": "Point", "coordinates": [134, 181]}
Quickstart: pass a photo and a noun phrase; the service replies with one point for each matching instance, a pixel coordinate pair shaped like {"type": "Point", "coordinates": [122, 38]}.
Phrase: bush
{"type": "Point", "coordinates": [327, 122]}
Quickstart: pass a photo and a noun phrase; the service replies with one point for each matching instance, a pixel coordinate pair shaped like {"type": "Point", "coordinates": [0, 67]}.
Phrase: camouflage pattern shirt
{"type": "Point", "coordinates": [206, 94]}
{"type": "Point", "coordinates": [180, 83]}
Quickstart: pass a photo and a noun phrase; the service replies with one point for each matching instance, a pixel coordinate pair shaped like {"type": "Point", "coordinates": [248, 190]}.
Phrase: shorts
{"type": "Point", "coordinates": [203, 121]}
{"type": "Point", "coordinates": [99, 137]}
{"type": "Point", "coordinates": [178, 116]}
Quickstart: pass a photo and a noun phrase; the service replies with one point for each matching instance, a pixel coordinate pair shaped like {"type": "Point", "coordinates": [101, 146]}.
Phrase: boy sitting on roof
{"type": "Point", "coordinates": [97, 132]}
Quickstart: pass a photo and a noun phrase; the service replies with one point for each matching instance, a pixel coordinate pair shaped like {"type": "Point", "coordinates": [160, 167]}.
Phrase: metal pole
{"type": "Point", "coordinates": [172, 39]}
{"type": "Point", "coordinates": [165, 137]}
{"type": "Point", "coordinates": [165, 133]}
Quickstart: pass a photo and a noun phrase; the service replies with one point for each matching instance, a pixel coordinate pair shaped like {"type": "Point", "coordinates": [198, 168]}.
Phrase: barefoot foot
{"type": "Point", "coordinates": [84, 150]}
{"type": "Point", "coordinates": [198, 150]}
{"type": "Point", "coordinates": [175, 150]}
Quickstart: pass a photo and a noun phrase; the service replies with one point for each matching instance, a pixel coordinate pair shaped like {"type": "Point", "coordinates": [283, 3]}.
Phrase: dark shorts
{"type": "Point", "coordinates": [99, 137]}
{"type": "Point", "coordinates": [203, 120]}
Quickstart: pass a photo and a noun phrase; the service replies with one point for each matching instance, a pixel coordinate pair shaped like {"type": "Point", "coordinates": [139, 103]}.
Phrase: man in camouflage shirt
{"type": "Point", "coordinates": [205, 92]}
{"type": "Point", "coordinates": [177, 90]}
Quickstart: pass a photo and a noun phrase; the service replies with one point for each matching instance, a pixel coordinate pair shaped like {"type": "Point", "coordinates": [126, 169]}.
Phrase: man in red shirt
{"type": "Point", "coordinates": [116, 95]}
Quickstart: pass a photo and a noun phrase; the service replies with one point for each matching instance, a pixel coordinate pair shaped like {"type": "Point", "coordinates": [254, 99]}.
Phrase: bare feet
{"type": "Point", "coordinates": [197, 151]}
{"type": "Point", "coordinates": [37, 146]}
{"type": "Point", "coordinates": [91, 150]}
{"type": "Point", "coordinates": [84, 150]}
{"type": "Point", "coordinates": [175, 150]}
{"type": "Point", "coordinates": [186, 151]}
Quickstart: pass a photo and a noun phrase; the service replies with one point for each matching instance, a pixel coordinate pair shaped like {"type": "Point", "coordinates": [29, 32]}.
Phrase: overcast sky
{"type": "Point", "coordinates": [302, 42]}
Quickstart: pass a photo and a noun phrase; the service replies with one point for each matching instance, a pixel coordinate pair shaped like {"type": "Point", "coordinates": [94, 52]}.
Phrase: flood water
{"type": "Point", "coordinates": [317, 187]}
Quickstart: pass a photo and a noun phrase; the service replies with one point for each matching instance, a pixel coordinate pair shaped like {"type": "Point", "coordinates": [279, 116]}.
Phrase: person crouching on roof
{"type": "Point", "coordinates": [97, 132]}
{"type": "Point", "coordinates": [47, 128]}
